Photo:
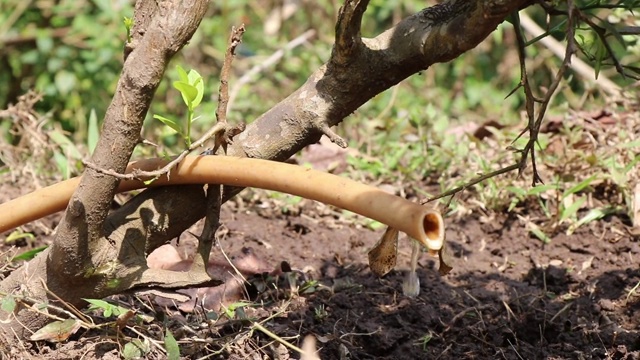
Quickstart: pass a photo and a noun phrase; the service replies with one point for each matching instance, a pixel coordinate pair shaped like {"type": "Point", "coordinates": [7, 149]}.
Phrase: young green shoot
{"type": "Point", "coordinates": [191, 88]}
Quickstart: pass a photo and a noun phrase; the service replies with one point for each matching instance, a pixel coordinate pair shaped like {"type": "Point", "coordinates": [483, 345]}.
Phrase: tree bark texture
{"type": "Point", "coordinates": [79, 261]}
{"type": "Point", "coordinates": [95, 258]}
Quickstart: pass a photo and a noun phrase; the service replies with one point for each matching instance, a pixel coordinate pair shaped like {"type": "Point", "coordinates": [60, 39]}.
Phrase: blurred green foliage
{"type": "Point", "coordinates": [71, 50]}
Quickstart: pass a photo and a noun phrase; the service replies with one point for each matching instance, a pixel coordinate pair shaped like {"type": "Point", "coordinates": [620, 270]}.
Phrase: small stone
{"type": "Point", "coordinates": [555, 262]}
{"type": "Point", "coordinates": [606, 304]}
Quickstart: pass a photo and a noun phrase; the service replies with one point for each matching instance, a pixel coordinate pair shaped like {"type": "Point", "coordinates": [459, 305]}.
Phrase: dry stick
{"type": "Point", "coordinates": [30, 303]}
{"type": "Point", "coordinates": [141, 174]}
{"type": "Point", "coordinates": [535, 121]}
{"type": "Point", "coordinates": [473, 182]}
{"type": "Point", "coordinates": [71, 308]}
{"type": "Point", "coordinates": [224, 139]}
{"type": "Point", "coordinates": [417, 221]}
{"type": "Point", "coordinates": [271, 60]}
{"type": "Point", "coordinates": [578, 65]}
{"type": "Point", "coordinates": [214, 191]}
{"type": "Point", "coordinates": [602, 36]}
{"type": "Point", "coordinates": [278, 338]}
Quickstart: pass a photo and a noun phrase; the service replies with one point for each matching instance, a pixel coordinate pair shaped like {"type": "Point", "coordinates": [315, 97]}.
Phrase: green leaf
{"type": "Point", "coordinates": [65, 144]}
{"type": "Point", "coordinates": [592, 215]}
{"type": "Point", "coordinates": [18, 235]}
{"type": "Point", "coordinates": [537, 232]}
{"type": "Point", "coordinates": [62, 163]}
{"type": "Point", "coordinates": [170, 123]}
{"type": "Point", "coordinates": [30, 254]}
{"type": "Point", "coordinates": [93, 132]}
{"type": "Point", "coordinates": [629, 145]}
{"type": "Point", "coordinates": [65, 81]}
{"type": "Point", "coordinates": [134, 350]}
{"type": "Point", "coordinates": [195, 79]}
{"type": "Point", "coordinates": [57, 331]}
{"type": "Point", "coordinates": [612, 30]}
{"type": "Point", "coordinates": [107, 309]}
{"type": "Point", "coordinates": [150, 181]}
{"type": "Point", "coordinates": [128, 22]}
{"type": "Point", "coordinates": [171, 345]}
{"type": "Point", "coordinates": [188, 92]}
{"type": "Point", "coordinates": [536, 190]}
{"type": "Point", "coordinates": [579, 186]}
{"type": "Point", "coordinates": [8, 303]}
{"type": "Point", "coordinates": [182, 74]}
{"type": "Point", "coordinates": [573, 208]}
{"type": "Point", "coordinates": [520, 192]}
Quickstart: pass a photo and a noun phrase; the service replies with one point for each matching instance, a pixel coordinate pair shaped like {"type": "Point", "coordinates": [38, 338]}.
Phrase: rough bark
{"type": "Point", "coordinates": [77, 264]}
{"type": "Point", "coordinates": [359, 69]}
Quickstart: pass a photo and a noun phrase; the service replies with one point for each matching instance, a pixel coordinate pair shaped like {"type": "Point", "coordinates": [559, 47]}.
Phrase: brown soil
{"type": "Point", "coordinates": [509, 295]}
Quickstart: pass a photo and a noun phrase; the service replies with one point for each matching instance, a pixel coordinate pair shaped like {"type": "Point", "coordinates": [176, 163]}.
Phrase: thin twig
{"type": "Point", "coordinates": [226, 138]}
{"type": "Point", "coordinates": [271, 60]}
{"type": "Point", "coordinates": [223, 95]}
{"type": "Point", "coordinates": [214, 191]}
{"type": "Point", "coordinates": [277, 338]}
{"type": "Point", "coordinates": [472, 182]}
{"type": "Point", "coordinates": [71, 308]}
{"type": "Point", "coordinates": [535, 120]}
{"type": "Point", "coordinates": [141, 175]}
{"type": "Point", "coordinates": [153, 342]}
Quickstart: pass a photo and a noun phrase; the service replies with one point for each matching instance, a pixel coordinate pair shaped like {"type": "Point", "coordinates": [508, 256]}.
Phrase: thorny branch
{"type": "Point", "coordinates": [601, 32]}
{"type": "Point", "coordinates": [602, 36]}
{"type": "Point", "coordinates": [534, 120]}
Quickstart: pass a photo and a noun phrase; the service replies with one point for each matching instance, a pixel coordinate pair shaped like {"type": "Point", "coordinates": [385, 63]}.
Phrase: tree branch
{"type": "Point", "coordinates": [348, 39]}
{"type": "Point", "coordinates": [355, 74]}
{"type": "Point", "coordinates": [333, 92]}
{"type": "Point", "coordinates": [170, 25]}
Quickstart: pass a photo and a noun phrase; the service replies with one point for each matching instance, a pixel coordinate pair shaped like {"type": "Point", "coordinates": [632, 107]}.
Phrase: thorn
{"type": "Point", "coordinates": [335, 138]}
{"type": "Point", "coordinates": [146, 142]}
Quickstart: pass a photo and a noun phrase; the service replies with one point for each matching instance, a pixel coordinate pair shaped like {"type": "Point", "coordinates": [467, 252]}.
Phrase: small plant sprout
{"type": "Point", "coordinates": [128, 24]}
{"type": "Point", "coordinates": [424, 340]}
{"type": "Point", "coordinates": [237, 308]}
{"type": "Point", "coordinates": [411, 283]}
{"type": "Point", "coordinates": [108, 309]}
{"type": "Point", "coordinates": [191, 88]}
{"type": "Point", "coordinates": [320, 313]}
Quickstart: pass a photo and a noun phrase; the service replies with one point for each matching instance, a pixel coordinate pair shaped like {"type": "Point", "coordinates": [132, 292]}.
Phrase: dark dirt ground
{"type": "Point", "coordinates": [509, 296]}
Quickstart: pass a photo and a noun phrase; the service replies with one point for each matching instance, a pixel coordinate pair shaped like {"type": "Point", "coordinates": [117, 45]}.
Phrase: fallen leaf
{"type": "Point", "coordinates": [383, 256]}
{"type": "Point", "coordinates": [57, 331]}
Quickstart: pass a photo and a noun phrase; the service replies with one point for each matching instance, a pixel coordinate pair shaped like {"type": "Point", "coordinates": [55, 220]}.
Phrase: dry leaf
{"type": "Point", "coordinates": [383, 256]}
{"type": "Point", "coordinates": [57, 331]}
{"type": "Point", "coordinates": [445, 259]}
